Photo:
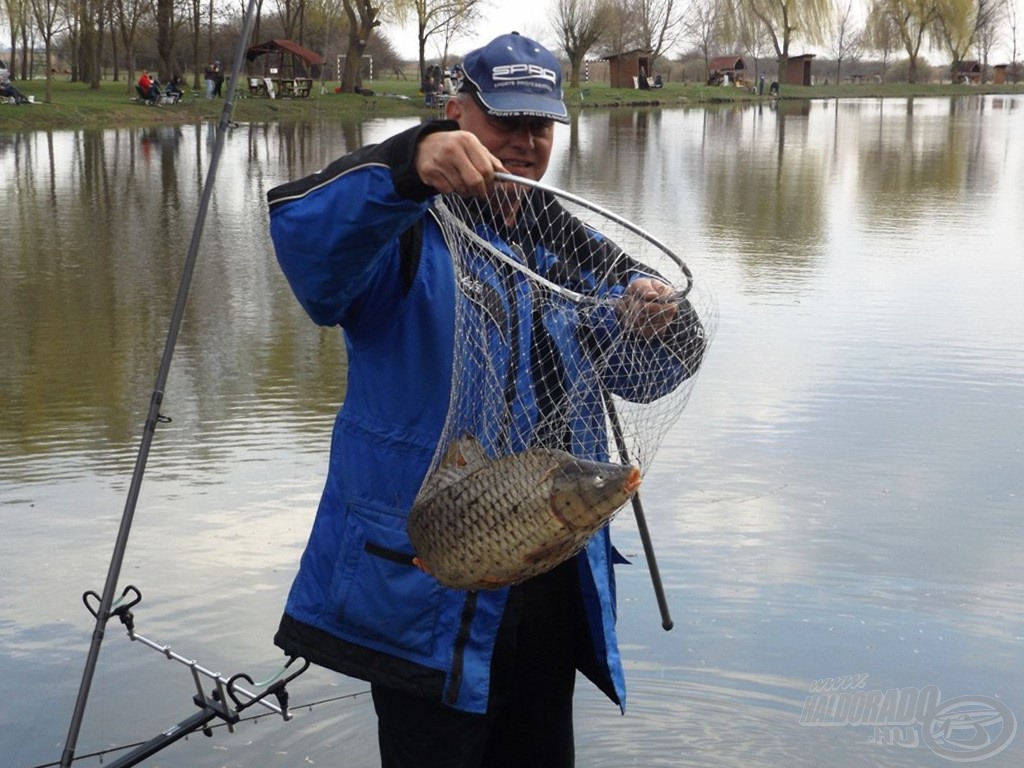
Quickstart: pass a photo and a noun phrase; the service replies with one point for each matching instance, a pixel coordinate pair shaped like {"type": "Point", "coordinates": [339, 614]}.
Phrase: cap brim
{"type": "Point", "coordinates": [522, 105]}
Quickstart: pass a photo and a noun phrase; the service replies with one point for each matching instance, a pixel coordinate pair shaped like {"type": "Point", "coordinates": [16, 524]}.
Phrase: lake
{"type": "Point", "coordinates": [837, 514]}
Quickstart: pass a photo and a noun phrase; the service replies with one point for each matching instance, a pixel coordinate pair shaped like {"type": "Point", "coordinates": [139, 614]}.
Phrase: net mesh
{"type": "Point", "coordinates": [553, 349]}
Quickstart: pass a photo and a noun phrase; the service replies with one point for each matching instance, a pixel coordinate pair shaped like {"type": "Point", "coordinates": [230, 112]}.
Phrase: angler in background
{"type": "Point", "coordinates": [460, 678]}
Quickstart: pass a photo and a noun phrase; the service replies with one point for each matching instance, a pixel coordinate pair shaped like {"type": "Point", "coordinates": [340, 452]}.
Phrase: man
{"type": "Point", "coordinates": [210, 77]}
{"type": "Point", "coordinates": [459, 679]}
{"type": "Point", "coordinates": [8, 90]}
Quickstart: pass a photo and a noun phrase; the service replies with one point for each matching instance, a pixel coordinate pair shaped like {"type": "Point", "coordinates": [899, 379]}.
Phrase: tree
{"type": "Point", "coordinates": [703, 25]}
{"type": "Point", "coordinates": [18, 19]}
{"type": "Point", "coordinates": [293, 13]}
{"type": "Point", "coordinates": [881, 35]}
{"type": "Point", "coordinates": [659, 25]}
{"type": "Point", "coordinates": [910, 19]}
{"type": "Point", "coordinates": [128, 15]}
{"type": "Point", "coordinates": [51, 20]}
{"type": "Point", "coordinates": [846, 39]}
{"type": "Point", "coordinates": [363, 19]}
{"type": "Point", "coordinates": [953, 24]}
{"type": "Point", "coordinates": [579, 24]}
{"type": "Point", "coordinates": [1013, 20]}
{"type": "Point", "coordinates": [785, 19]}
{"type": "Point", "coordinates": [447, 18]}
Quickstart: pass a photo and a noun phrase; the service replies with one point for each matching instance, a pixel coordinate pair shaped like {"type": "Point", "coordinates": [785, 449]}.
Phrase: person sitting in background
{"type": "Point", "coordinates": [7, 89]}
{"type": "Point", "coordinates": [148, 88]}
{"type": "Point", "coordinates": [173, 90]}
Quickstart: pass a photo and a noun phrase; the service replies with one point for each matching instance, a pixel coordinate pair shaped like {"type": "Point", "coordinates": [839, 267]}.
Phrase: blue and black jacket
{"type": "Point", "coordinates": [361, 250]}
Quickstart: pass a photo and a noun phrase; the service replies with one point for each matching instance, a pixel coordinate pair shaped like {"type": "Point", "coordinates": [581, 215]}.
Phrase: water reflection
{"type": "Point", "coordinates": [842, 495]}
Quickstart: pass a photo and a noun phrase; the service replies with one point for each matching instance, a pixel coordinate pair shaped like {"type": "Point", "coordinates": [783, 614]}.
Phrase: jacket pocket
{"type": "Point", "coordinates": [382, 596]}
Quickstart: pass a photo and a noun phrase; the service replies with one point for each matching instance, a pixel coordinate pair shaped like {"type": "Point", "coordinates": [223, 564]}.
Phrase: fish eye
{"type": "Point", "coordinates": [599, 481]}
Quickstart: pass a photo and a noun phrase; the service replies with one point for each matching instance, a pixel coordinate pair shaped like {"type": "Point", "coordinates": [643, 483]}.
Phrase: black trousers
{"type": "Point", "coordinates": [533, 674]}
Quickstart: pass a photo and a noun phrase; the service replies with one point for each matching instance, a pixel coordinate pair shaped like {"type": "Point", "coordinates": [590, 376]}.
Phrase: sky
{"type": "Point", "coordinates": [532, 18]}
{"type": "Point", "coordinates": [529, 17]}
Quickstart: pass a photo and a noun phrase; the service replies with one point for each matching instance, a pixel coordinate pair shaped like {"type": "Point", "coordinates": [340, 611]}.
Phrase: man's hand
{"type": "Point", "coordinates": [647, 307]}
{"type": "Point", "coordinates": [456, 161]}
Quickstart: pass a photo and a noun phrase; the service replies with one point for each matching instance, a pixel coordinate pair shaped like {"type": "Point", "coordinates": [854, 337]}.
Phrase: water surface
{"type": "Point", "coordinates": [841, 497]}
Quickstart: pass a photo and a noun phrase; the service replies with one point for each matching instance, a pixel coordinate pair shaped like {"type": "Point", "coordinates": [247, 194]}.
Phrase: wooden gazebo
{"type": "Point", "coordinates": [288, 69]}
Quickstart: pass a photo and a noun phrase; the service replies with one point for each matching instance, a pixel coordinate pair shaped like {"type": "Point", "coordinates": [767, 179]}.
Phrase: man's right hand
{"type": "Point", "coordinates": [456, 161]}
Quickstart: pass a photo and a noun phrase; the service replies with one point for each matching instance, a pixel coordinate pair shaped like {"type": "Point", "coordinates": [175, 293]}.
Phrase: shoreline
{"type": "Point", "coordinates": [74, 106]}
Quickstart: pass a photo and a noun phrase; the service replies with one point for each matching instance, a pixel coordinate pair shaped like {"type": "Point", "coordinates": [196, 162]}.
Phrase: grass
{"type": "Point", "coordinates": [74, 105]}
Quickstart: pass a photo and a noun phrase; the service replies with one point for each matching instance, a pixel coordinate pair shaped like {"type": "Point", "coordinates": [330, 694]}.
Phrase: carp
{"type": "Point", "coordinates": [483, 523]}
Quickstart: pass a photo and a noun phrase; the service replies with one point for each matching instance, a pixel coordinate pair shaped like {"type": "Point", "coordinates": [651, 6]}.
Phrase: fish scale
{"type": "Point", "coordinates": [482, 523]}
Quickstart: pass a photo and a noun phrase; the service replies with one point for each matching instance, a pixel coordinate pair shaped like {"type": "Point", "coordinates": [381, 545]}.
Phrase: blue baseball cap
{"type": "Point", "coordinates": [514, 76]}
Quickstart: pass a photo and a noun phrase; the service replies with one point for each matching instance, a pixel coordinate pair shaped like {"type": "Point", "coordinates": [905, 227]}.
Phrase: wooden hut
{"type": "Point", "coordinates": [798, 69]}
{"type": "Point", "coordinates": [732, 67]}
{"type": "Point", "coordinates": [625, 69]}
{"type": "Point", "coordinates": [288, 69]}
{"type": "Point", "coordinates": [967, 72]}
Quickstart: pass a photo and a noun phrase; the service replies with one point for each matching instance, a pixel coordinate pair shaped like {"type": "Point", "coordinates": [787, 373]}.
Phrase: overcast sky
{"type": "Point", "coordinates": [533, 18]}
{"type": "Point", "coordinates": [528, 17]}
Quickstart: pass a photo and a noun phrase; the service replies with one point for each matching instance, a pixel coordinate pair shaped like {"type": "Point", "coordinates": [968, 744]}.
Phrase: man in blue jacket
{"type": "Point", "coordinates": [459, 679]}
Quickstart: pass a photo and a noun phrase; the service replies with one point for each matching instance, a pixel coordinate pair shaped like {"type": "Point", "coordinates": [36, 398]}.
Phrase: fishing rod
{"type": "Point", "coordinates": [103, 611]}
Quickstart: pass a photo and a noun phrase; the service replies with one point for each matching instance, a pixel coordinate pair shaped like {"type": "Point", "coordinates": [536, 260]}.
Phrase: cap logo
{"type": "Point", "coordinates": [513, 72]}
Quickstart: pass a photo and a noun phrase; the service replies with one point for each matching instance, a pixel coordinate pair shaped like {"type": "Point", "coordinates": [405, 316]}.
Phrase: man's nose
{"type": "Point", "coordinates": [522, 135]}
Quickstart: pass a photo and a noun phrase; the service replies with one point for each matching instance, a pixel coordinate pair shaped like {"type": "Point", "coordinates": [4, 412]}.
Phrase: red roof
{"type": "Point", "coordinates": [726, 63]}
{"type": "Point", "coordinates": [284, 46]}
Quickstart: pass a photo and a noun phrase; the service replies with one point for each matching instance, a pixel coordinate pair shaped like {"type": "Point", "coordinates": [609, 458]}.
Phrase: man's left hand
{"type": "Point", "coordinates": [647, 307]}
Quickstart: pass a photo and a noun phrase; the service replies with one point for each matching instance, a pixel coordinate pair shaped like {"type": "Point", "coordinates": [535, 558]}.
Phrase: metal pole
{"type": "Point", "coordinates": [641, 519]}
{"type": "Point", "coordinates": [153, 416]}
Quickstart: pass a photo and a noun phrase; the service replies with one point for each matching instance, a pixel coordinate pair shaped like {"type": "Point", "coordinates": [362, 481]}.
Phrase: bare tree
{"type": "Point", "coordinates": [846, 39]}
{"type": "Point", "coordinates": [51, 19]}
{"type": "Point", "coordinates": [363, 19]}
{"type": "Point", "coordinates": [703, 25]}
{"type": "Point", "coordinates": [579, 24]}
{"type": "Point", "coordinates": [448, 18]}
{"type": "Point", "coordinates": [128, 15]}
{"type": "Point", "coordinates": [292, 13]}
{"type": "Point", "coordinates": [1013, 20]}
{"type": "Point", "coordinates": [659, 25]}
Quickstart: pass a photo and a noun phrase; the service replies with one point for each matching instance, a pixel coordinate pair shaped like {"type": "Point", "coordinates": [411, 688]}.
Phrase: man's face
{"type": "Point", "coordinates": [522, 144]}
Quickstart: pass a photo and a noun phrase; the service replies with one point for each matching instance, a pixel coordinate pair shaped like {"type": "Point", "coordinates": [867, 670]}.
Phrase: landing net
{"type": "Point", "coordinates": [552, 350]}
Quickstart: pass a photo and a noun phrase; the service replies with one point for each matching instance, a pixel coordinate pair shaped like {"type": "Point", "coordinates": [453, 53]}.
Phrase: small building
{"type": "Point", "coordinates": [798, 69]}
{"type": "Point", "coordinates": [288, 69]}
{"type": "Point", "coordinates": [967, 72]}
{"type": "Point", "coordinates": [999, 73]}
{"type": "Point", "coordinates": [732, 67]}
{"type": "Point", "coordinates": [625, 69]}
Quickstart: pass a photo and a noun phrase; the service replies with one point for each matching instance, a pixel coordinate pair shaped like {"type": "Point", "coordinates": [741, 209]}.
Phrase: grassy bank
{"type": "Point", "coordinates": [74, 105]}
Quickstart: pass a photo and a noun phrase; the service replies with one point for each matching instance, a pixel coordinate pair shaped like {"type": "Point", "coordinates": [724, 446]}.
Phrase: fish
{"type": "Point", "coordinates": [481, 523]}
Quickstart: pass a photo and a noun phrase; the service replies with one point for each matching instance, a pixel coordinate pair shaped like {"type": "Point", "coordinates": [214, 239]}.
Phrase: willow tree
{"type": "Point", "coordinates": [911, 20]}
{"type": "Point", "coordinates": [955, 26]}
{"type": "Point", "coordinates": [962, 25]}
{"type": "Point", "coordinates": [579, 24]}
{"type": "Point", "coordinates": [784, 21]}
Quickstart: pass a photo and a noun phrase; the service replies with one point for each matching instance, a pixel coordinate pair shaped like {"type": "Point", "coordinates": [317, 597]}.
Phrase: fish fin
{"type": "Point", "coordinates": [421, 565]}
{"type": "Point", "coordinates": [462, 457]}
{"type": "Point", "coordinates": [466, 452]}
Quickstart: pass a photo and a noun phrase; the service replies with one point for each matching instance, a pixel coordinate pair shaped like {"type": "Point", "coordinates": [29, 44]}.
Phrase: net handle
{"type": "Point", "coordinates": [635, 229]}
